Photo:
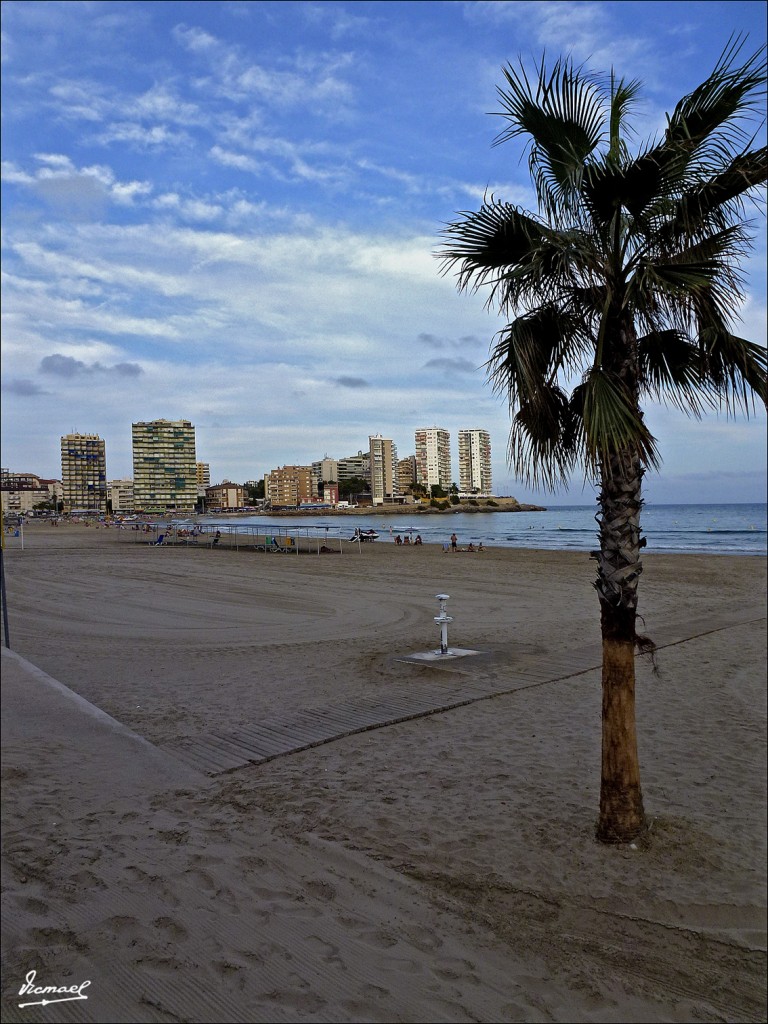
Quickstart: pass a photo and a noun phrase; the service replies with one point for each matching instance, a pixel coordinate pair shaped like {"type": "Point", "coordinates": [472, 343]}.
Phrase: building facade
{"type": "Point", "coordinates": [121, 495]}
{"type": "Point", "coordinates": [164, 466]}
{"type": "Point", "coordinates": [355, 467]}
{"type": "Point", "coordinates": [475, 463]}
{"type": "Point", "coordinates": [203, 474]}
{"type": "Point", "coordinates": [433, 458]}
{"type": "Point", "coordinates": [225, 495]}
{"type": "Point", "coordinates": [83, 473]}
{"type": "Point", "coordinates": [325, 471]}
{"type": "Point", "coordinates": [406, 474]}
{"type": "Point", "coordinates": [21, 492]}
{"type": "Point", "coordinates": [288, 486]}
{"type": "Point", "coordinates": [384, 480]}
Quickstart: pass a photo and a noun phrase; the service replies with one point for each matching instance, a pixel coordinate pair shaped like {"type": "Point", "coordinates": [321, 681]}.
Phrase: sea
{"type": "Point", "coordinates": [674, 529]}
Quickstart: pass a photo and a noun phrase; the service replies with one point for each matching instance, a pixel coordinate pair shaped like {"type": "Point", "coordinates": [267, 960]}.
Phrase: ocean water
{"type": "Point", "coordinates": [707, 529]}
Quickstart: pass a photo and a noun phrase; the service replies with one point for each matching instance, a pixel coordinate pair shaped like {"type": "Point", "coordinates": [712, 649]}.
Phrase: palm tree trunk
{"type": "Point", "coordinates": [622, 816]}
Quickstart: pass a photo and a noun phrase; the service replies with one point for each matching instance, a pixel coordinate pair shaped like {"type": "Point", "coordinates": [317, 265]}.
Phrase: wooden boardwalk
{"type": "Point", "coordinates": [281, 734]}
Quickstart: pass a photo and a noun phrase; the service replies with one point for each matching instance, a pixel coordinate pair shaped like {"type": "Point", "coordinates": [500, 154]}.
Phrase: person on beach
{"type": "Point", "coordinates": [418, 539]}
{"type": "Point", "coordinates": [217, 538]}
{"type": "Point", "coordinates": [470, 546]}
{"type": "Point", "coordinates": [398, 539]}
{"type": "Point", "coordinates": [454, 542]}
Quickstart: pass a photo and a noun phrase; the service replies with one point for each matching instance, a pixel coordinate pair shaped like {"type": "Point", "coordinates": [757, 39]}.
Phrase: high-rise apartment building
{"type": "Point", "coordinates": [384, 480]}
{"type": "Point", "coordinates": [203, 474]}
{"type": "Point", "coordinates": [433, 458]}
{"type": "Point", "coordinates": [83, 472]}
{"type": "Point", "coordinates": [475, 462]}
{"type": "Point", "coordinates": [164, 466]}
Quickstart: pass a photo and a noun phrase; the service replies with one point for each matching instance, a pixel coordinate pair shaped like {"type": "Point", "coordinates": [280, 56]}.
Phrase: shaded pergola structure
{"type": "Point", "coordinates": [265, 538]}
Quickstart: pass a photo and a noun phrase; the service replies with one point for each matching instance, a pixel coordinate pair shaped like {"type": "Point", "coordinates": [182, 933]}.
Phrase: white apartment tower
{"type": "Point", "coordinates": [475, 462]}
{"type": "Point", "coordinates": [164, 466]}
{"type": "Point", "coordinates": [433, 458]}
{"type": "Point", "coordinates": [83, 472]}
{"type": "Point", "coordinates": [384, 481]}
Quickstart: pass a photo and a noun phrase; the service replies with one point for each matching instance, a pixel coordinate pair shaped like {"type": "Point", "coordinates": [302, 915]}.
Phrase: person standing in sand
{"type": "Point", "coordinates": [454, 542]}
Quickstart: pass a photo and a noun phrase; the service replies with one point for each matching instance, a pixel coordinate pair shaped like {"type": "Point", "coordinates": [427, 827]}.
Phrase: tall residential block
{"type": "Point", "coordinates": [433, 458]}
{"type": "Point", "coordinates": [164, 466]}
{"type": "Point", "coordinates": [384, 479]}
{"type": "Point", "coordinates": [475, 462]}
{"type": "Point", "coordinates": [83, 472]}
{"type": "Point", "coordinates": [203, 474]}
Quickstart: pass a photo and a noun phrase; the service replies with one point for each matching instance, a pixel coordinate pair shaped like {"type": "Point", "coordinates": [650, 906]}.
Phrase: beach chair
{"type": "Point", "coordinates": [158, 542]}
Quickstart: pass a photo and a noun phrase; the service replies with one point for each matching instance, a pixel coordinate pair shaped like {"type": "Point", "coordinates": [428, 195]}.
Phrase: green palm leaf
{"type": "Point", "coordinates": [671, 371]}
{"type": "Point", "coordinates": [611, 420]}
{"type": "Point", "coordinates": [564, 117]}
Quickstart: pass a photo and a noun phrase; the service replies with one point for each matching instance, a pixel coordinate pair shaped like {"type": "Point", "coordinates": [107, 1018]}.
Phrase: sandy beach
{"type": "Point", "coordinates": [437, 867]}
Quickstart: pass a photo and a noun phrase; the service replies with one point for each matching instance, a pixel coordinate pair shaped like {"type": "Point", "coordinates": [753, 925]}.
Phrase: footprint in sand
{"type": "Point", "coordinates": [170, 928]}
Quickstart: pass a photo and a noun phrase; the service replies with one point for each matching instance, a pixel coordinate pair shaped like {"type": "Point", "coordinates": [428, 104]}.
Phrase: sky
{"type": "Point", "coordinates": [228, 212]}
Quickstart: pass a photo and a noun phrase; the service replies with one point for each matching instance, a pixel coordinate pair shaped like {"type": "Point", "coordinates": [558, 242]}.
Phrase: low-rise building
{"type": "Point", "coordinates": [225, 495]}
{"type": "Point", "coordinates": [406, 474]}
{"type": "Point", "coordinates": [288, 486]}
{"type": "Point", "coordinates": [22, 492]}
{"type": "Point", "coordinates": [120, 494]}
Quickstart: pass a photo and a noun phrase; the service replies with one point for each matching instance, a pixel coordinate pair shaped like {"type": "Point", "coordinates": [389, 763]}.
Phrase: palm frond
{"type": "Point", "coordinates": [670, 371]}
{"type": "Point", "coordinates": [612, 422]}
{"type": "Point", "coordinates": [623, 95]}
{"type": "Point", "coordinates": [562, 113]}
{"type": "Point", "coordinates": [695, 209]}
{"type": "Point", "coordinates": [729, 92]}
{"type": "Point", "coordinates": [545, 441]}
{"type": "Point", "coordinates": [735, 369]}
{"type": "Point", "coordinates": [532, 351]}
{"type": "Point", "coordinates": [495, 237]}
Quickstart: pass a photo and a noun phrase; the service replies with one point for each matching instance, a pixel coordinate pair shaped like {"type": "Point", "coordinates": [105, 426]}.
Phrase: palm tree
{"type": "Point", "coordinates": [622, 288]}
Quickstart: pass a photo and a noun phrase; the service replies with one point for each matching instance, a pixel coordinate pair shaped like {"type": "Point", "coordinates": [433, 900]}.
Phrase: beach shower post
{"type": "Point", "coordinates": [442, 620]}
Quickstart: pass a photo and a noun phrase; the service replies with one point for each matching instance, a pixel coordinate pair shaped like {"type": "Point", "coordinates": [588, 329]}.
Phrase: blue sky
{"type": "Point", "coordinates": [227, 212]}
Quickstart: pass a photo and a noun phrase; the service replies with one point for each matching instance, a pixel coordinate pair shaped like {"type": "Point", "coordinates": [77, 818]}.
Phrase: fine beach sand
{"type": "Point", "coordinates": [438, 869]}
